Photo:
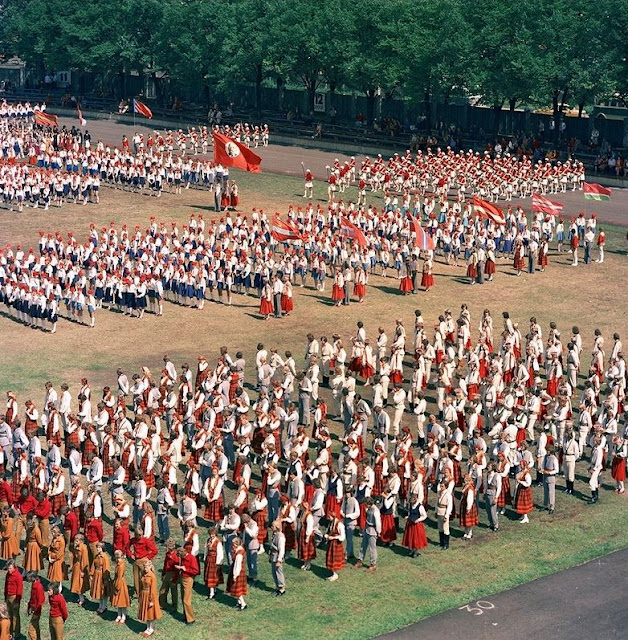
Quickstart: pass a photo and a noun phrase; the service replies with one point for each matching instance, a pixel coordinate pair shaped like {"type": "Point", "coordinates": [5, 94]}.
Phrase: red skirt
{"type": "Point", "coordinates": [291, 538]}
{"type": "Point", "coordinates": [213, 572]}
{"type": "Point", "coordinates": [359, 290]}
{"type": "Point", "coordinates": [335, 557]}
{"type": "Point", "coordinates": [472, 391]}
{"type": "Point", "coordinates": [505, 496]}
{"type": "Point", "coordinates": [520, 264]}
{"type": "Point", "coordinates": [427, 280]}
{"type": "Point", "coordinates": [457, 474]}
{"type": "Point", "coordinates": [149, 476]}
{"type": "Point", "coordinates": [543, 261]}
{"type": "Point", "coordinates": [356, 364]}
{"type": "Point", "coordinates": [308, 493]}
{"type": "Point", "coordinates": [367, 371]}
{"type": "Point", "coordinates": [58, 502]}
{"type": "Point", "coordinates": [389, 531]}
{"type": "Point", "coordinates": [237, 472]}
{"type": "Point", "coordinates": [88, 447]}
{"type": "Point", "coordinates": [378, 484]}
{"type": "Point", "coordinates": [489, 268]}
{"type": "Point", "coordinates": [469, 518]}
{"type": "Point", "coordinates": [414, 536]}
{"type": "Point", "coordinates": [332, 506]}
{"type": "Point", "coordinates": [552, 387]}
{"type": "Point", "coordinates": [237, 587]}
{"type": "Point", "coordinates": [618, 469]}
{"type": "Point", "coordinates": [260, 518]}
{"type": "Point", "coordinates": [306, 549]}
{"type": "Point", "coordinates": [337, 293]}
{"type": "Point", "coordinates": [235, 200]}
{"type": "Point", "coordinates": [406, 284]}
{"type": "Point", "coordinates": [287, 304]}
{"type": "Point", "coordinates": [215, 510]}
{"type": "Point", "coordinates": [396, 377]}
{"type": "Point", "coordinates": [30, 427]}
{"type": "Point", "coordinates": [362, 517]}
{"type": "Point", "coordinates": [524, 501]}
{"type": "Point", "coordinates": [472, 271]}
{"type": "Point", "coordinates": [266, 307]}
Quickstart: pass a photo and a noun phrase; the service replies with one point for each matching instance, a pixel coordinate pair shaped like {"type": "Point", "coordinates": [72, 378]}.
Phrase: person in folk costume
{"type": "Point", "coordinates": [100, 577]}
{"type": "Point", "coordinates": [519, 259]}
{"type": "Point", "coordinates": [389, 529]}
{"type": "Point", "coordinates": [213, 493]}
{"type": "Point", "coordinates": [148, 609]}
{"type": "Point", "coordinates": [5, 622]}
{"type": "Point", "coordinates": [427, 279]}
{"type": "Point", "coordinates": [503, 469]}
{"type": "Point", "coordinates": [524, 500]}
{"type": "Point", "coordinates": [31, 426]}
{"type": "Point", "coordinates": [338, 288]}
{"type": "Point", "coordinates": [287, 299]}
{"type": "Point", "coordinates": [266, 307]}
{"type": "Point", "coordinates": [469, 517]}
{"type": "Point", "coordinates": [57, 570]}
{"type": "Point", "coordinates": [335, 556]}
{"type": "Point", "coordinates": [306, 549]}
{"type": "Point", "coordinates": [237, 585]}
{"type": "Point", "coordinates": [406, 284]}
{"type": "Point", "coordinates": [32, 555]}
{"type": "Point", "coordinates": [414, 537]}
{"type": "Point", "coordinates": [288, 517]}
{"type": "Point", "coordinates": [444, 505]}
{"type": "Point", "coordinates": [214, 557]}
{"type": "Point", "coordinates": [80, 582]}
{"type": "Point", "coordinates": [35, 605]}
{"type": "Point", "coordinates": [58, 611]}
{"type": "Point", "coordinates": [170, 577]}
{"type": "Point", "coordinates": [20, 473]}
{"type": "Point", "coordinates": [119, 590]}
{"type": "Point", "coordinates": [259, 513]}
{"type": "Point", "coordinates": [11, 412]}
{"type": "Point", "coordinates": [618, 466]}
{"type": "Point", "coordinates": [9, 548]}
{"type": "Point", "coordinates": [380, 469]}
{"type": "Point", "coordinates": [56, 492]}
{"type": "Point", "coordinates": [93, 532]}
{"type": "Point", "coordinates": [333, 497]}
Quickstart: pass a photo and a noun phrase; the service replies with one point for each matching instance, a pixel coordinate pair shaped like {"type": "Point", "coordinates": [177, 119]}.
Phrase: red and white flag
{"type": "Point", "coordinates": [231, 153]}
{"type": "Point", "coordinates": [593, 191]}
{"type": "Point", "coordinates": [488, 210]}
{"type": "Point", "coordinates": [284, 231]}
{"type": "Point", "coordinates": [422, 239]}
{"type": "Point", "coordinates": [79, 115]}
{"type": "Point", "coordinates": [545, 205]}
{"type": "Point", "coordinates": [348, 229]}
{"type": "Point", "coordinates": [142, 109]}
{"type": "Point", "coordinates": [46, 119]}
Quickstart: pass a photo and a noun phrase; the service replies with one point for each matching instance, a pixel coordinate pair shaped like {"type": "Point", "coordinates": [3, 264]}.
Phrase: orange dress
{"type": "Point", "coordinates": [100, 576]}
{"type": "Point", "coordinates": [32, 556]}
{"type": "Point", "coordinates": [149, 594]}
{"type": "Point", "coordinates": [57, 571]}
{"type": "Point", "coordinates": [80, 570]}
{"type": "Point", "coordinates": [8, 547]}
{"type": "Point", "coordinates": [119, 589]}
{"type": "Point", "coordinates": [5, 629]}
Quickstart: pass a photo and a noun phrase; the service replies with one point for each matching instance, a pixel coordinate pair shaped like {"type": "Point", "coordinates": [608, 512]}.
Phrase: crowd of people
{"type": "Point", "coordinates": [241, 456]}
{"type": "Point", "coordinates": [134, 271]}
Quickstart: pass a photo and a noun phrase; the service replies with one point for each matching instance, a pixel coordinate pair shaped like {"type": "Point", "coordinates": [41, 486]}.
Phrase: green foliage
{"type": "Point", "coordinates": [546, 52]}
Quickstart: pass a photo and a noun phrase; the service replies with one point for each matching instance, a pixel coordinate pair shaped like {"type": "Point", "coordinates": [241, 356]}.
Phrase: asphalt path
{"type": "Point", "coordinates": [292, 160]}
{"type": "Point", "coordinates": [588, 601]}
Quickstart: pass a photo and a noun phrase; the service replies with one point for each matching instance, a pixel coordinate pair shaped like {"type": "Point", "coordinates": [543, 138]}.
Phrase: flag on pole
{"type": "Point", "coordinates": [46, 119]}
{"type": "Point", "coordinates": [141, 108]}
{"type": "Point", "coordinates": [231, 153]}
{"type": "Point", "coordinates": [79, 115]}
{"type": "Point", "coordinates": [545, 205]}
{"type": "Point", "coordinates": [488, 210]}
{"type": "Point", "coordinates": [348, 229]}
{"type": "Point", "coordinates": [593, 191]}
{"type": "Point", "coordinates": [422, 239]}
{"type": "Point", "coordinates": [284, 231]}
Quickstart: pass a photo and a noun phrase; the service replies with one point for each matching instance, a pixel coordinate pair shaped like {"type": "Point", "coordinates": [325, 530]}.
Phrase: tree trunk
{"type": "Point", "coordinates": [497, 114]}
{"type": "Point", "coordinates": [556, 115]}
{"type": "Point", "coordinates": [427, 105]}
{"type": "Point", "coordinates": [370, 107]}
{"type": "Point", "coordinates": [279, 85]}
{"type": "Point", "coordinates": [258, 89]}
{"type": "Point", "coordinates": [561, 115]}
{"type": "Point", "coordinates": [512, 103]}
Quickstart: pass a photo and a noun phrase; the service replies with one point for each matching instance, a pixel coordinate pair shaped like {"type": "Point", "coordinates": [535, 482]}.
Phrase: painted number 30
{"type": "Point", "coordinates": [479, 607]}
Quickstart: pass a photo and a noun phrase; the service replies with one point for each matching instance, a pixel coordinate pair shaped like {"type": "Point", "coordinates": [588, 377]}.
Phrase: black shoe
{"type": "Point", "coordinates": [551, 511]}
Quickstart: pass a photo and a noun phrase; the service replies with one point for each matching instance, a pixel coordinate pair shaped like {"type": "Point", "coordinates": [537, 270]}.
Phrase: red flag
{"type": "Point", "coordinates": [488, 210]}
{"type": "Point", "coordinates": [46, 119]}
{"type": "Point", "coordinates": [284, 231]}
{"type": "Point", "coordinates": [545, 205]}
{"type": "Point", "coordinates": [141, 108]}
{"type": "Point", "coordinates": [231, 153]}
{"type": "Point", "coordinates": [422, 239]}
{"type": "Point", "coordinates": [347, 228]}
{"type": "Point", "coordinates": [79, 115]}
{"type": "Point", "coordinates": [593, 191]}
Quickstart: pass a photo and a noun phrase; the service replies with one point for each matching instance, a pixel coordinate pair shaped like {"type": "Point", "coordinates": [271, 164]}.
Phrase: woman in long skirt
{"type": "Point", "coordinates": [236, 583]}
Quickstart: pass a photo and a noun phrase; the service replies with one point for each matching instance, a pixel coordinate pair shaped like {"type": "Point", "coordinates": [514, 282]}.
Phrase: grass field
{"type": "Point", "coordinates": [402, 590]}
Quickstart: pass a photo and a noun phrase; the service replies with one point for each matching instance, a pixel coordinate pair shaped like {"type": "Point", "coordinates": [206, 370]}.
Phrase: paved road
{"type": "Point", "coordinates": [288, 159]}
{"type": "Point", "coordinates": [588, 601]}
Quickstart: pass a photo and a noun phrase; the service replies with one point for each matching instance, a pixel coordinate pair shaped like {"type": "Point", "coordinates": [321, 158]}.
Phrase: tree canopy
{"type": "Point", "coordinates": [539, 52]}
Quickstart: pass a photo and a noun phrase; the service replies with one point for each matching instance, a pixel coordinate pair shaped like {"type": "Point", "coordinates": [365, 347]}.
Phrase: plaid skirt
{"type": "Point", "coordinates": [306, 549]}
{"type": "Point", "coordinates": [215, 510]}
{"type": "Point", "coordinates": [524, 500]}
{"type": "Point", "coordinates": [335, 557]}
{"type": "Point", "coordinates": [237, 587]}
{"type": "Point", "coordinates": [469, 518]}
{"type": "Point", "coordinates": [505, 496]}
